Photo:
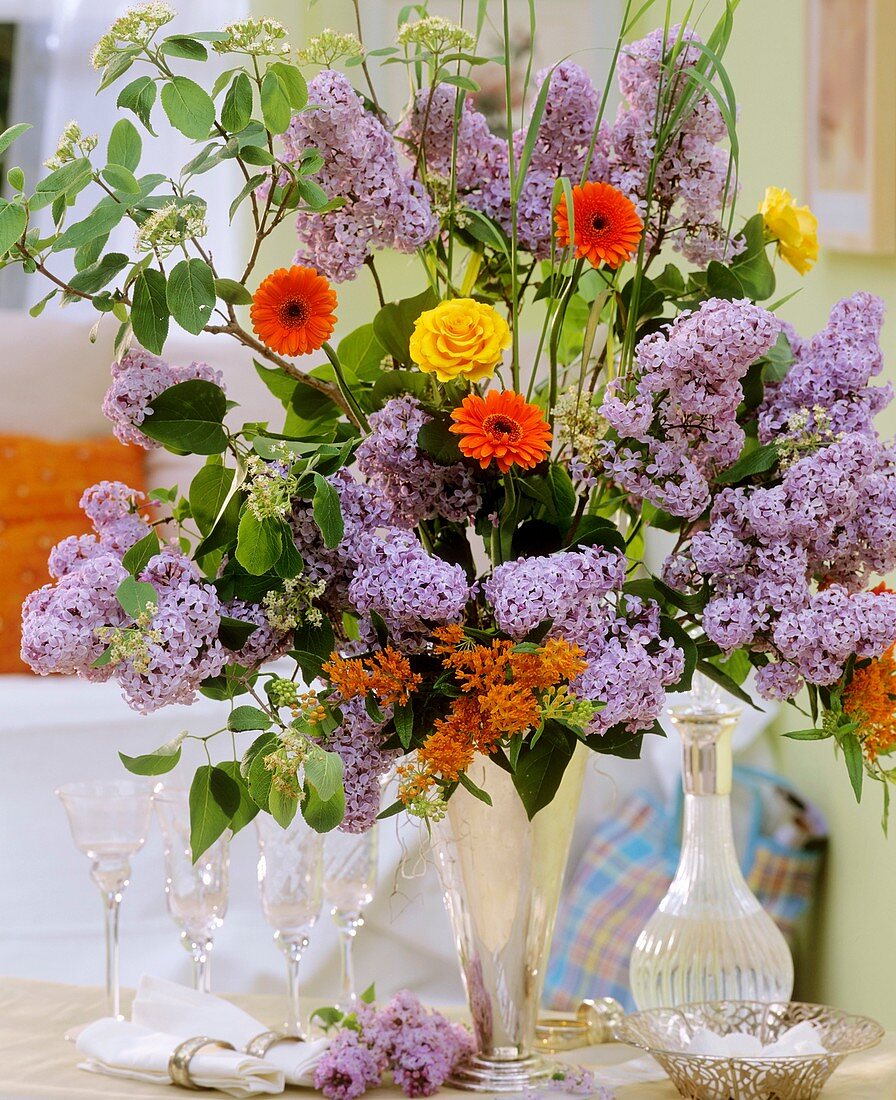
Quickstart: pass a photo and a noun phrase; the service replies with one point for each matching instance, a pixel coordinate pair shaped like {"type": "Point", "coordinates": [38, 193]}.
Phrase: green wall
{"type": "Point", "coordinates": [850, 959]}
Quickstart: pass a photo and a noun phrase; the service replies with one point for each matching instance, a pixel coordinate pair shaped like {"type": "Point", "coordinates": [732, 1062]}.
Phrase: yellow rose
{"type": "Point", "coordinates": [459, 337]}
{"type": "Point", "coordinates": [795, 228]}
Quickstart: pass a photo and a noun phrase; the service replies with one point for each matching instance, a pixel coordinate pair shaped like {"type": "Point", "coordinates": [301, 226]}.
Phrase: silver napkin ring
{"type": "Point", "coordinates": [179, 1062]}
{"type": "Point", "coordinates": [262, 1043]}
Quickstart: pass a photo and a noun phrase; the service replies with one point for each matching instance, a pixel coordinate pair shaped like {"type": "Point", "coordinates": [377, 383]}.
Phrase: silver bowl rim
{"type": "Point", "coordinates": [622, 1033]}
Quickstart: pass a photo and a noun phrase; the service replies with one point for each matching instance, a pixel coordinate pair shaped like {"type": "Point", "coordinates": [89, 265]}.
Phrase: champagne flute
{"type": "Point", "coordinates": [109, 822]}
{"type": "Point", "coordinates": [350, 864]}
{"type": "Point", "coordinates": [196, 893]}
{"type": "Point", "coordinates": [290, 877]}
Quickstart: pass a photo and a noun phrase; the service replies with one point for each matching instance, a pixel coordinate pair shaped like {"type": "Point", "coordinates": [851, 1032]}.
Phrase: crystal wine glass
{"type": "Point", "coordinates": [290, 877]}
{"type": "Point", "coordinates": [196, 893]}
{"type": "Point", "coordinates": [350, 863]}
{"type": "Point", "coordinates": [109, 822]}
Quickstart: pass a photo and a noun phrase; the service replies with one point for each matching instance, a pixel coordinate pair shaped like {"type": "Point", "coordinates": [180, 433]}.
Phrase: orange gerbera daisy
{"type": "Point", "coordinates": [607, 226]}
{"type": "Point", "coordinates": [503, 427]}
{"type": "Point", "coordinates": [292, 310]}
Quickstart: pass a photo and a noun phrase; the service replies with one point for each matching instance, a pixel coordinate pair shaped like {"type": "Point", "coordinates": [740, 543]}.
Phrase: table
{"type": "Point", "coordinates": [36, 1061]}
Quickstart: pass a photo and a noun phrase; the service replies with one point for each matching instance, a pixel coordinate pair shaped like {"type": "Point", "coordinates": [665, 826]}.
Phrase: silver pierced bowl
{"type": "Point", "coordinates": [665, 1033]}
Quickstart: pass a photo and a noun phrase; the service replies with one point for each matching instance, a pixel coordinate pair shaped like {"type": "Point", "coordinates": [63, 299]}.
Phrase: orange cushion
{"type": "Point", "coordinates": [41, 483]}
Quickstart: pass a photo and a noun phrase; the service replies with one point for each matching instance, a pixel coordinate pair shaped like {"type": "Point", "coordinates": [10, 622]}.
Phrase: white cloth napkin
{"type": "Point", "coordinates": [179, 1010]}
{"type": "Point", "coordinates": [121, 1049]}
{"type": "Point", "coordinates": [799, 1040]}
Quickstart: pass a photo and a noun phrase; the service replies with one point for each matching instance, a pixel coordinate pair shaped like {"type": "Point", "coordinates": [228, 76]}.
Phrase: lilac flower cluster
{"type": "Point", "coordinates": [832, 372]}
{"type": "Point", "coordinates": [692, 176]}
{"type": "Point", "coordinates": [264, 643]}
{"type": "Point", "coordinates": [113, 509]}
{"type": "Point", "coordinates": [832, 518]}
{"type": "Point", "coordinates": [358, 740]}
{"type": "Point", "coordinates": [680, 426]}
{"type": "Point", "coordinates": [63, 625]}
{"type": "Point", "coordinates": [421, 1049]}
{"type": "Point", "coordinates": [415, 487]}
{"type": "Point", "coordinates": [410, 589]}
{"type": "Point", "coordinates": [136, 380]}
{"type": "Point", "coordinates": [183, 647]}
{"type": "Point", "coordinates": [629, 663]}
{"type": "Point", "coordinates": [482, 177]}
{"type": "Point", "coordinates": [382, 209]}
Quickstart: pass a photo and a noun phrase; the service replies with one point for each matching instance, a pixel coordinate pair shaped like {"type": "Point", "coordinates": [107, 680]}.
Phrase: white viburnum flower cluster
{"type": "Point", "coordinates": [73, 143]}
{"type": "Point", "coordinates": [170, 226]}
{"type": "Point", "coordinates": [328, 47]}
{"type": "Point", "coordinates": [260, 37]}
{"type": "Point", "coordinates": [135, 28]}
{"type": "Point", "coordinates": [436, 35]}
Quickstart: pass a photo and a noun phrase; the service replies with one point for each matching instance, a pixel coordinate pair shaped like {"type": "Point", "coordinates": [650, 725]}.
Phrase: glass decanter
{"type": "Point", "coordinates": [710, 939]}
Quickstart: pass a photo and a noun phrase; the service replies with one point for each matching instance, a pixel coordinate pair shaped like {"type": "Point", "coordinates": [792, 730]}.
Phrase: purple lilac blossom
{"type": "Point", "coordinates": [264, 643]}
{"type": "Point", "coordinates": [692, 177]}
{"type": "Point", "coordinates": [59, 622]}
{"type": "Point", "coordinates": [113, 509]}
{"type": "Point", "coordinates": [410, 589]}
{"type": "Point", "coordinates": [629, 663]}
{"type": "Point", "coordinates": [414, 486]}
{"type": "Point", "coordinates": [358, 740]}
{"type": "Point", "coordinates": [833, 371]}
{"type": "Point", "coordinates": [383, 208]}
{"type": "Point", "coordinates": [348, 1068]}
{"type": "Point", "coordinates": [186, 621]}
{"type": "Point", "coordinates": [680, 427]}
{"type": "Point", "coordinates": [136, 380]}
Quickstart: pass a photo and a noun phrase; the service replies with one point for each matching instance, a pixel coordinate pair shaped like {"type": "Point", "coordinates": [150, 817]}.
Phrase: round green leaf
{"type": "Point", "coordinates": [189, 108]}
{"type": "Point", "coordinates": [191, 294]}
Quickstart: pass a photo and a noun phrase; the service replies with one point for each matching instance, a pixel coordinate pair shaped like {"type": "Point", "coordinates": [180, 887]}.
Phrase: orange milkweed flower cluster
{"type": "Point", "coordinates": [387, 673]}
{"type": "Point", "coordinates": [870, 700]}
{"type": "Point", "coordinates": [499, 698]}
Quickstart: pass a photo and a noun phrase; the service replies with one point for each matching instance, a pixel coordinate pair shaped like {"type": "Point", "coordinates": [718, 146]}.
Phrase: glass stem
{"type": "Point", "coordinates": [348, 924]}
{"type": "Point", "coordinates": [293, 950]}
{"type": "Point", "coordinates": [111, 911]}
{"type": "Point", "coordinates": [200, 954]}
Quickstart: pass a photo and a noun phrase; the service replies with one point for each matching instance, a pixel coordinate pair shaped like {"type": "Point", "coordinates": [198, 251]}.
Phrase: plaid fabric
{"type": "Point", "coordinates": [625, 873]}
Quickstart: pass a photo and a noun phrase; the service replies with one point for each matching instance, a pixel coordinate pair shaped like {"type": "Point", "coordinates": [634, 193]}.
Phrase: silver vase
{"type": "Point", "coordinates": [710, 939]}
{"type": "Point", "coordinates": [502, 875]}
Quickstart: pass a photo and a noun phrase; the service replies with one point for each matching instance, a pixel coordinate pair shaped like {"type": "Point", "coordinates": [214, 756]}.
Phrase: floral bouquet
{"type": "Point", "coordinates": [444, 536]}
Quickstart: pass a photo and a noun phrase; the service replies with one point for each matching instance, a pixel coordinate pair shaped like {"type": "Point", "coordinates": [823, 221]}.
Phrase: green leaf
{"type": "Point", "coordinates": [137, 558]}
{"type": "Point", "coordinates": [149, 310]}
{"type": "Point", "coordinates": [188, 416]}
{"type": "Point", "coordinates": [403, 717]}
{"type": "Point", "coordinates": [540, 769]}
{"type": "Point", "coordinates": [139, 96]}
{"type": "Point", "coordinates": [191, 294]}
{"type": "Point", "coordinates": [16, 179]}
{"type": "Point", "coordinates": [99, 222]}
{"type": "Point", "coordinates": [125, 144]}
{"type": "Point", "coordinates": [722, 282]}
{"type": "Point", "coordinates": [258, 543]}
{"type": "Point", "coordinates": [248, 187]}
{"type": "Point", "coordinates": [181, 45]}
{"type": "Point", "coordinates": [189, 108]}
{"type": "Point", "coordinates": [208, 494]}
{"type": "Point", "coordinates": [725, 681]}
{"type": "Point", "coordinates": [275, 106]}
{"type": "Point", "coordinates": [11, 133]}
{"type": "Point", "coordinates": [294, 84]}
{"type": "Point", "coordinates": [669, 628]}
{"type": "Point", "coordinates": [756, 461]}
{"type": "Point", "coordinates": [319, 640]}
{"type": "Point", "coordinates": [237, 109]}
{"type": "Point", "coordinates": [94, 277]}
{"type": "Point", "coordinates": [248, 718]}
{"type": "Point", "coordinates": [13, 220]}
{"type": "Point", "coordinates": [464, 82]}
{"type": "Point", "coordinates": [562, 490]}
{"type": "Point", "coordinates": [361, 353]}
{"type": "Point", "coordinates": [282, 807]}
{"type": "Point", "coordinates": [808, 735]}
{"type": "Point", "coordinates": [153, 763]}
{"type": "Point", "coordinates": [855, 763]}
{"type": "Point", "coordinates": [369, 994]}
{"type": "Point", "coordinates": [214, 799]}
{"type": "Point", "coordinates": [261, 746]}
{"type": "Point", "coordinates": [232, 292]}
{"type": "Point", "coordinates": [67, 180]}
{"type": "Point", "coordinates": [247, 810]}
{"type": "Point", "coordinates": [136, 597]}
{"type": "Point", "coordinates": [120, 179]}
{"type": "Point", "coordinates": [394, 323]}
{"type": "Point", "coordinates": [234, 633]}
{"type": "Point", "coordinates": [439, 442]}
{"type": "Point", "coordinates": [290, 563]}
{"type": "Point", "coordinates": [477, 792]}
{"type": "Point", "coordinates": [327, 512]}
{"type": "Point", "coordinates": [323, 815]}
{"type": "Point", "coordinates": [323, 770]}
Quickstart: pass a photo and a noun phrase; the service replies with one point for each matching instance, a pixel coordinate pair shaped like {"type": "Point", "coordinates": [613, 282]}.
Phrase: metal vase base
{"type": "Point", "coordinates": [483, 1074]}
